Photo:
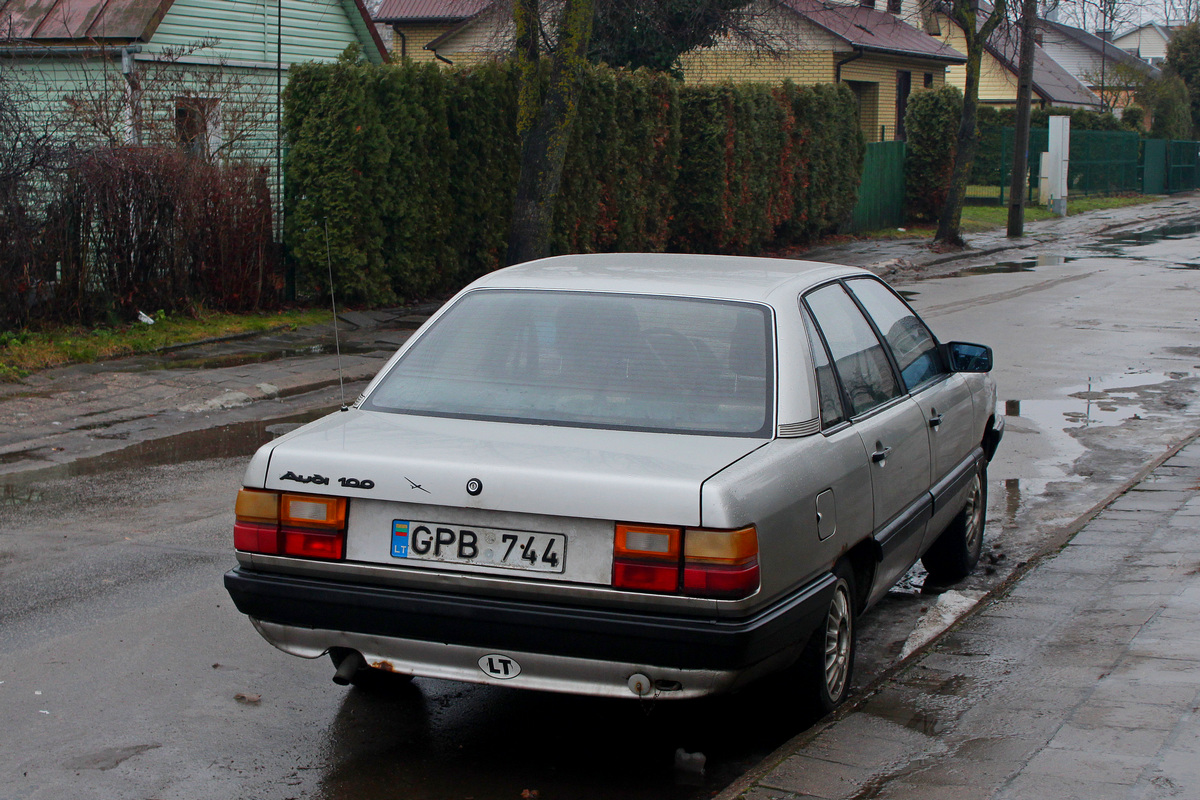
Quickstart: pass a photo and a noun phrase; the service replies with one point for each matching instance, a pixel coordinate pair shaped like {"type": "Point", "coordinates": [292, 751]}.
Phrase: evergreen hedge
{"type": "Point", "coordinates": [932, 124]}
{"type": "Point", "coordinates": [413, 169]}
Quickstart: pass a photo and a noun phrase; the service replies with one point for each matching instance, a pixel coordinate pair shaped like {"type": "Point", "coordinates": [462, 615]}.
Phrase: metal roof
{"type": "Point", "coordinates": [429, 10]}
{"type": "Point", "coordinates": [98, 20]}
{"type": "Point", "coordinates": [45, 22]}
{"type": "Point", "coordinates": [874, 31]}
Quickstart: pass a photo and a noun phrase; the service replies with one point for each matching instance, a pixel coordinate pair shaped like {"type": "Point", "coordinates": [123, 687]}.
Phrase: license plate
{"type": "Point", "coordinates": [484, 547]}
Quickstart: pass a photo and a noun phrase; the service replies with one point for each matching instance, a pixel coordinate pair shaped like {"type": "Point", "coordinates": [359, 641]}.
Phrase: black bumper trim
{"type": "Point", "coordinates": [496, 624]}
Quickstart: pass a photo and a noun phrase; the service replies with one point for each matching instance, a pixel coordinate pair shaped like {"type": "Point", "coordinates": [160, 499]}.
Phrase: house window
{"type": "Point", "coordinates": [893, 6]}
{"type": "Point", "coordinates": [928, 80]}
{"type": "Point", "coordinates": [198, 126]}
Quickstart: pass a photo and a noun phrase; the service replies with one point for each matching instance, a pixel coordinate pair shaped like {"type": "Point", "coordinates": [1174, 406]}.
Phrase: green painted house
{"type": "Point", "coordinates": [203, 75]}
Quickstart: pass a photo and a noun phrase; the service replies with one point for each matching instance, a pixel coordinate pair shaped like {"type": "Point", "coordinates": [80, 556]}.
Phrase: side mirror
{"type": "Point", "coordinates": [965, 357]}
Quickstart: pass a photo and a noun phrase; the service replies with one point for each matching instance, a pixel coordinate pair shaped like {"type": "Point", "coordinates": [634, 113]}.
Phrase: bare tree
{"type": "Point", "coordinates": [977, 27]}
{"type": "Point", "coordinates": [177, 97]}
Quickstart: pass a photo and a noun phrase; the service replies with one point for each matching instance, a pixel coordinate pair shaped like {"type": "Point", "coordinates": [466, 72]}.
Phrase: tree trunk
{"type": "Point", "coordinates": [545, 127]}
{"type": "Point", "coordinates": [963, 13]}
{"type": "Point", "coordinates": [949, 230]}
{"type": "Point", "coordinates": [1020, 170]}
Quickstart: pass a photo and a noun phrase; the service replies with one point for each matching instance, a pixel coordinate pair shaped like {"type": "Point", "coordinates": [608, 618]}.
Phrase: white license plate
{"type": "Point", "coordinates": [485, 547]}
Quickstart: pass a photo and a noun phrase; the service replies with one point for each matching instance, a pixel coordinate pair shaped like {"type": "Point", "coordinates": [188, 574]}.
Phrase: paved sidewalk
{"type": "Point", "coordinates": [1082, 682]}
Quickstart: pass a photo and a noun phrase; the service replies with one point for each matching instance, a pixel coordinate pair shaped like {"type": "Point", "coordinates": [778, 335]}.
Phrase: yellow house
{"type": "Point", "coordinates": [416, 23]}
{"type": "Point", "coordinates": [879, 56]}
{"type": "Point", "coordinates": [1052, 84]}
{"type": "Point", "coordinates": [882, 58]}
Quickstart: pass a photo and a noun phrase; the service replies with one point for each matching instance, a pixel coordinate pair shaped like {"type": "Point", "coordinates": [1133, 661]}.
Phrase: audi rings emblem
{"type": "Point", "coordinates": [474, 487]}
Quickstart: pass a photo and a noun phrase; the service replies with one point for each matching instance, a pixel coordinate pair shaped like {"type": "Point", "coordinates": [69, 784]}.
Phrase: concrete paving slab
{"type": "Point", "coordinates": [1119, 741]}
{"type": "Point", "coordinates": [1039, 786]}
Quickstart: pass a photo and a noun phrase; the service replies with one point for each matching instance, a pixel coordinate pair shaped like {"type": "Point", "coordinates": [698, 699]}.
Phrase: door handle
{"type": "Point", "coordinates": [880, 455]}
{"type": "Point", "coordinates": [935, 421]}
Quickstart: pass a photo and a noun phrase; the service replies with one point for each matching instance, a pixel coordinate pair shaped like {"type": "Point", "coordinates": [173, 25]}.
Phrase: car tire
{"type": "Point", "coordinates": [956, 551]}
{"type": "Point", "coordinates": [370, 679]}
{"type": "Point", "coordinates": [828, 660]}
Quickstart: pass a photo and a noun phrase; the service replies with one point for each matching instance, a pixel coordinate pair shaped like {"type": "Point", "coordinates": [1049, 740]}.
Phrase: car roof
{"type": "Point", "coordinates": [726, 277]}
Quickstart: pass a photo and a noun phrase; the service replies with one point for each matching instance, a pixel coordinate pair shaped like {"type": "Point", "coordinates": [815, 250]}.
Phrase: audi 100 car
{"type": "Point", "coordinates": [625, 475]}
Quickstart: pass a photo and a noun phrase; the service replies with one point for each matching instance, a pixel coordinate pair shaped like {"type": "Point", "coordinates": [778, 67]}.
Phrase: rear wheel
{"type": "Point", "coordinates": [956, 552]}
{"type": "Point", "coordinates": [828, 660]}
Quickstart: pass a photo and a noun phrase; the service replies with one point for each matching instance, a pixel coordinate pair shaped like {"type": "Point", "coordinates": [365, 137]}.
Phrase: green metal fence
{"type": "Point", "coordinates": [881, 192]}
{"type": "Point", "coordinates": [1101, 162]}
{"type": "Point", "coordinates": [1183, 166]}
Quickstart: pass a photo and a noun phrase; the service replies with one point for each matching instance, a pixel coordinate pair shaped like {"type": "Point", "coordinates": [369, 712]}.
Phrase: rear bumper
{"type": "Point", "coordinates": [444, 635]}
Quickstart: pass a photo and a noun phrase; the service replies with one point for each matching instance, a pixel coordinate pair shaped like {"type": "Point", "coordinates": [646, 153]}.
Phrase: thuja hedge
{"type": "Point", "coordinates": [401, 177]}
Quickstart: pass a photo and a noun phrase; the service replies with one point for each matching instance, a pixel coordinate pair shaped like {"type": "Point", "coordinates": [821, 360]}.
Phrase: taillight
{"type": "Point", "coordinates": [720, 563]}
{"type": "Point", "coordinates": [698, 562]}
{"type": "Point", "coordinates": [280, 523]}
{"type": "Point", "coordinates": [646, 557]}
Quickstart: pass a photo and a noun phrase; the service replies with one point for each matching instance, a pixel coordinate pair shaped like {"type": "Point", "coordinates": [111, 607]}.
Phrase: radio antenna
{"type": "Point", "coordinates": [337, 345]}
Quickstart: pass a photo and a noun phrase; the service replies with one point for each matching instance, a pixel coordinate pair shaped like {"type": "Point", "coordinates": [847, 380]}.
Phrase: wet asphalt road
{"type": "Point", "coordinates": [125, 672]}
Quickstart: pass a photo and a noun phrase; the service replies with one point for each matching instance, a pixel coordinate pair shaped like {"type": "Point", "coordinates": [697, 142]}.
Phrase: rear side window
{"type": "Point", "coordinates": [912, 344]}
{"type": "Point", "coordinates": [858, 356]}
{"type": "Point", "coordinates": [635, 362]}
{"type": "Point", "coordinates": [827, 388]}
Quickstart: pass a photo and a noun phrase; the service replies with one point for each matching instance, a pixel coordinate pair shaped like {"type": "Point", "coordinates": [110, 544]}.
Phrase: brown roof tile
{"type": "Point", "coordinates": [429, 10]}
{"type": "Point", "coordinates": [877, 31]}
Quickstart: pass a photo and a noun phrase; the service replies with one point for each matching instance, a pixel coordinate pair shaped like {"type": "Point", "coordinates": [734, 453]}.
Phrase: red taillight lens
{"type": "Point", "coordinates": [721, 582]}
{"type": "Point", "coordinates": [255, 538]}
{"type": "Point", "coordinates": [311, 544]}
{"type": "Point", "coordinates": [308, 526]}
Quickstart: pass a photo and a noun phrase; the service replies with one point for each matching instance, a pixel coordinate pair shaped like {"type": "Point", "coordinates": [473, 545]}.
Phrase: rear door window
{"type": "Point", "coordinates": [911, 343]}
{"type": "Point", "coordinates": [858, 355]}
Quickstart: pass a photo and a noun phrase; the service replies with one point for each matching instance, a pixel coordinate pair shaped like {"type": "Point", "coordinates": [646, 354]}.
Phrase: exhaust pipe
{"type": "Point", "coordinates": [348, 667]}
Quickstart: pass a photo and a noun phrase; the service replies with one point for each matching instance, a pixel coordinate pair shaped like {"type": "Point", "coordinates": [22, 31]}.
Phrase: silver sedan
{"type": "Point", "coordinates": [629, 475]}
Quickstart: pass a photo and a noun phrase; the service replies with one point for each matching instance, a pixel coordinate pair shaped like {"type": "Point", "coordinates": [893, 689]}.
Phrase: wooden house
{"type": "Point", "coordinates": [204, 75]}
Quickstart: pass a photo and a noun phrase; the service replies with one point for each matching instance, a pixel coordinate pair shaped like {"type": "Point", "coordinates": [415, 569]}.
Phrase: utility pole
{"type": "Point", "coordinates": [1018, 189]}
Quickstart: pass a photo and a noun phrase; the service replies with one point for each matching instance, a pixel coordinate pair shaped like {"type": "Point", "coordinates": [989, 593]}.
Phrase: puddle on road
{"type": "Point", "coordinates": [1028, 264]}
{"type": "Point", "coordinates": [241, 359]}
{"type": "Point", "coordinates": [1064, 425]}
{"type": "Point", "coordinates": [226, 441]}
{"type": "Point", "coordinates": [1179, 230]}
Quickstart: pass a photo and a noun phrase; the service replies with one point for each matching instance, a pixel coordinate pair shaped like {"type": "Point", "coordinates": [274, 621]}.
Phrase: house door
{"type": "Point", "coordinates": [903, 89]}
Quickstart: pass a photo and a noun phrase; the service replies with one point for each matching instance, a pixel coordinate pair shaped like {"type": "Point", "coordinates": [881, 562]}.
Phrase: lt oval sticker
{"type": "Point", "coordinates": [495, 665]}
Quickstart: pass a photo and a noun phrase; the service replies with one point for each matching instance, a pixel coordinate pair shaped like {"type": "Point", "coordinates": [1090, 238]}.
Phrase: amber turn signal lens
{"type": "Point", "coordinates": [720, 547]}
{"type": "Point", "coordinates": [254, 505]}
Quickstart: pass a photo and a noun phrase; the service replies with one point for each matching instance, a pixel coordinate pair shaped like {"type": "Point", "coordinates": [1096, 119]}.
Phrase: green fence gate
{"type": "Point", "coordinates": [1183, 166]}
{"type": "Point", "coordinates": [881, 192]}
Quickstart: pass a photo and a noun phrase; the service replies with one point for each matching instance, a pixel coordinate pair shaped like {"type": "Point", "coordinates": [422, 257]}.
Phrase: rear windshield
{"type": "Point", "coordinates": [632, 362]}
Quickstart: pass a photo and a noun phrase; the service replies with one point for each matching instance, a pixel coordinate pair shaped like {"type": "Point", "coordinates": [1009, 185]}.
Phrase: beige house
{"type": "Point", "coordinates": [879, 56]}
{"type": "Point", "coordinates": [1147, 41]}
